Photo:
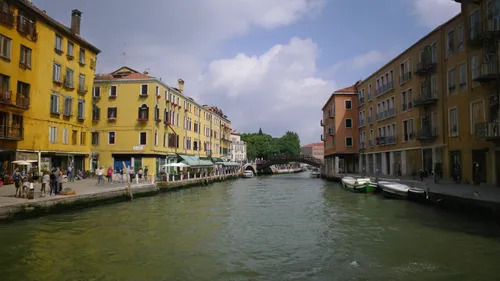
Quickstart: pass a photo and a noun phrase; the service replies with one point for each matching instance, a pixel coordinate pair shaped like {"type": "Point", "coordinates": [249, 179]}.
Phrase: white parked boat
{"type": "Point", "coordinates": [357, 184]}
{"type": "Point", "coordinates": [394, 189]}
{"type": "Point", "coordinates": [248, 174]}
{"type": "Point", "coordinates": [315, 173]}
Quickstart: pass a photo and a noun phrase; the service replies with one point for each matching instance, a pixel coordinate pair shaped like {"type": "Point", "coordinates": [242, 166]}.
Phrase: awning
{"type": "Point", "coordinates": [195, 161]}
{"type": "Point", "coordinates": [218, 160]}
{"type": "Point", "coordinates": [230, 164]}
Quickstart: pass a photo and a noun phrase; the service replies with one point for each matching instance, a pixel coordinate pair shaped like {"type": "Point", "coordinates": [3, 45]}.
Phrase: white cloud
{"type": "Point", "coordinates": [432, 13]}
{"type": "Point", "coordinates": [278, 90]}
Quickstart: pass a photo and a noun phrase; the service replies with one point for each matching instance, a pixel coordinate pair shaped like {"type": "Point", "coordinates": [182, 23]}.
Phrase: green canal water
{"type": "Point", "coordinates": [286, 227]}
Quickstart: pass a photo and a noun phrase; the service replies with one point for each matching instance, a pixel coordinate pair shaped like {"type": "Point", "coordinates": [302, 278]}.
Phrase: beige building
{"type": "Point", "coordinates": [315, 150]}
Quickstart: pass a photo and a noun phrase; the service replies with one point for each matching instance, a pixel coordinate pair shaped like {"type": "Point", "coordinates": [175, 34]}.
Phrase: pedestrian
{"type": "Point", "coordinates": [110, 175]}
{"type": "Point", "coordinates": [45, 182]}
{"type": "Point", "coordinates": [53, 183]}
{"type": "Point", "coordinates": [100, 172]}
{"type": "Point", "coordinates": [146, 170]}
{"type": "Point", "coordinates": [131, 172]}
{"type": "Point", "coordinates": [16, 176]}
{"type": "Point", "coordinates": [70, 173]}
{"type": "Point", "coordinates": [59, 179]}
{"type": "Point", "coordinates": [140, 173]}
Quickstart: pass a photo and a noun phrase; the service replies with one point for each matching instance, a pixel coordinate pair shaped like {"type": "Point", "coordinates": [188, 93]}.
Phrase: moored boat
{"type": "Point", "coordinates": [248, 174]}
{"type": "Point", "coordinates": [394, 189]}
{"type": "Point", "coordinates": [355, 184]}
{"type": "Point", "coordinates": [417, 194]}
{"type": "Point", "coordinates": [315, 173]}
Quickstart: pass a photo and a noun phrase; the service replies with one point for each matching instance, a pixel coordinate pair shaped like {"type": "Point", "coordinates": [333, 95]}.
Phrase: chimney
{"type": "Point", "coordinates": [181, 85]}
{"type": "Point", "coordinates": [145, 73]}
{"type": "Point", "coordinates": [76, 17]}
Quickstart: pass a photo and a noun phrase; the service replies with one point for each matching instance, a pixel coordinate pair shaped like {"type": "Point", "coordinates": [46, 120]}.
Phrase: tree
{"type": "Point", "coordinates": [262, 145]}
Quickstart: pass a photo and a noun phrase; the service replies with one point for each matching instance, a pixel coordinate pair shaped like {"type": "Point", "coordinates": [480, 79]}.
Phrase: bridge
{"type": "Point", "coordinates": [285, 159]}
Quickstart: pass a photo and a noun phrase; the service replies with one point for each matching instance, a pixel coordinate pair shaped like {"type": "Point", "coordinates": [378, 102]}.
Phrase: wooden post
{"type": "Point", "coordinates": [127, 177]}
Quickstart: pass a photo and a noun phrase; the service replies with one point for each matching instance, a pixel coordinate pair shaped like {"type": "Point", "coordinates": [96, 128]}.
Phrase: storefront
{"type": "Point", "coordinates": [63, 161]}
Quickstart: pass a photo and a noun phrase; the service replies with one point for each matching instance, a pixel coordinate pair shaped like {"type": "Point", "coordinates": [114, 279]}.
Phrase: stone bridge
{"type": "Point", "coordinates": [285, 159]}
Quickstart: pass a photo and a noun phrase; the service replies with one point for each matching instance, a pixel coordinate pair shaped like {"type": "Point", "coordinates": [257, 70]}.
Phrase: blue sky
{"type": "Point", "coordinates": [265, 63]}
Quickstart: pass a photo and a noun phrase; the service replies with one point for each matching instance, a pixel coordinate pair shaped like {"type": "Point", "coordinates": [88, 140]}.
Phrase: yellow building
{"type": "Point", "coordinates": [46, 69]}
{"type": "Point", "coordinates": [143, 122]}
{"type": "Point", "coordinates": [435, 106]}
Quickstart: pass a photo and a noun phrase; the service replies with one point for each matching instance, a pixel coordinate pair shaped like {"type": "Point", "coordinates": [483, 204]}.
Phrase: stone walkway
{"type": "Point", "coordinates": [86, 186]}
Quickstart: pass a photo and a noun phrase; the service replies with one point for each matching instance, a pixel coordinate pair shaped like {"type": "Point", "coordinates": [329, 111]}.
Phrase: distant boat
{"type": "Point", "coordinates": [356, 184]}
{"type": "Point", "coordinates": [394, 189]}
{"type": "Point", "coordinates": [248, 174]}
{"type": "Point", "coordinates": [315, 173]}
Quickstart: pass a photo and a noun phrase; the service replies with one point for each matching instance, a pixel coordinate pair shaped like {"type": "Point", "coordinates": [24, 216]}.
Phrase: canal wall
{"type": "Point", "coordinates": [56, 204]}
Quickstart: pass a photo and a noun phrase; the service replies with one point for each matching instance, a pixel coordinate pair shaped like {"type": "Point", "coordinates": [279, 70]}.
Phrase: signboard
{"type": "Point", "coordinates": [138, 147]}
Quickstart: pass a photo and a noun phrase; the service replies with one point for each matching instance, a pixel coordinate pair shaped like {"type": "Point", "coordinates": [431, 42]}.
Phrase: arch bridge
{"type": "Point", "coordinates": [285, 159]}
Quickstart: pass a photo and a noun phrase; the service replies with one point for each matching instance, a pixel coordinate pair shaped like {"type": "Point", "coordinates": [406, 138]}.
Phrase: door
{"type": "Point", "coordinates": [118, 163]}
{"type": "Point", "coordinates": [388, 162]}
{"type": "Point", "coordinates": [427, 165]}
{"type": "Point", "coordinates": [479, 163]}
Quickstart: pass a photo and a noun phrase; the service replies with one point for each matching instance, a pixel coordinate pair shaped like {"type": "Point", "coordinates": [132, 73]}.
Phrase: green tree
{"type": "Point", "coordinates": [263, 145]}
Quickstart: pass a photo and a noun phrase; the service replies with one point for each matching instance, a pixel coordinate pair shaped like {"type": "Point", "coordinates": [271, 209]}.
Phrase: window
{"type": "Point", "coordinates": [56, 73]}
{"type": "Point", "coordinates": [111, 137]}
{"type": "Point", "coordinates": [476, 114]}
{"type": "Point", "coordinates": [463, 76]}
{"type": "Point", "coordinates": [157, 91]}
{"type": "Point", "coordinates": [348, 104]}
{"type": "Point", "coordinates": [474, 67]}
{"type": "Point", "coordinates": [25, 57]}
{"type": "Point", "coordinates": [112, 91]}
{"type": "Point", "coordinates": [54, 104]}
{"type": "Point", "coordinates": [65, 136]}
{"type": "Point", "coordinates": [58, 46]}
{"type": "Point", "coordinates": [52, 134]}
{"type": "Point", "coordinates": [5, 45]}
{"type": "Point", "coordinates": [408, 130]}
{"type": "Point", "coordinates": [81, 83]}
{"type": "Point", "coordinates": [96, 113]}
{"type": "Point", "coordinates": [172, 140]}
{"type": "Point", "coordinates": [460, 33]}
{"type": "Point", "coordinates": [83, 138]}
{"type": "Point", "coordinates": [71, 47]}
{"type": "Point", "coordinates": [143, 112]}
{"type": "Point", "coordinates": [370, 92]}
{"type": "Point", "coordinates": [112, 113]}
{"type": "Point", "coordinates": [453, 122]}
{"type": "Point", "coordinates": [74, 136]}
{"type": "Point", "coordinates": [157, 114]}
{"type": "Point", "coordinates": [68, 106]}
{"type": "Point", "coordinates": [434, 52]}
{"type": "Point", "coordinates": [450, 44]}
{"type": "Point", "coordinates": [23, 89]}
{"type": "Point", "coordinates": [451, 80]}
{"type": "Point", "coordinates": [474, 25]}
{"type": "Point", "coordinates": [96, 93]}
{"type": "Point", "coordinates": [164, 139]}
{"type": "Point", "coordinates": [142, 138]}
{"type": "Point", "coordinates": [348, 123]}
{"type": "Point", "coordinates": [95, 138]}
{"type": "Point", "coordinates": [144, 90]}
{"type": "Point", "coordinates": [348, 141]}
{"type": "Point", "coordinates": [81, 109]}
{"type": "Point", "coordinates": [81, 58]}
{"type": "Point", "coordinates": [69, 79]}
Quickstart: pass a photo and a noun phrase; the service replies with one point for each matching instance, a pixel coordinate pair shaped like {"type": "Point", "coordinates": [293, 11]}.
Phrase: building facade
{"type": "Point", "coordinates": [340, 132]}
{"type": "Point", "coordinates": [315, 150]}
{"type": "Point", "coordinates": [46, 70]}
{"type": "Point", "coordinates": [434, 108]}
{"type": "Point", "coordinates": [238, 149]}
{"type": "Point", "coordinates": [139, 120]}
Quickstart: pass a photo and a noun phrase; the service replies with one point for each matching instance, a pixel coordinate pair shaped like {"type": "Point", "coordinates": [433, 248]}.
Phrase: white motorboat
{"type": "Point", "coordinates": [315, 174]}
{"type": "Point", "coordinates": [394, 189]}
{"type": "Point", "coordinates": [248, 174]}
{"type": "Point", "coordinates": [357, 184]}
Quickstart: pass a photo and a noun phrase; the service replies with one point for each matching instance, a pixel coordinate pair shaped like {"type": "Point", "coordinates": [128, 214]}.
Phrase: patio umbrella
{"type": "Point", "coordinates": [21, 162]}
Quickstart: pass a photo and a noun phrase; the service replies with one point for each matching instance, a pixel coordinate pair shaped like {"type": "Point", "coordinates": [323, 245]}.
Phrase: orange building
{"type": "Point", "coordinates": [315, 150]}
{"type": "Point", "coordinates": [340, 132]}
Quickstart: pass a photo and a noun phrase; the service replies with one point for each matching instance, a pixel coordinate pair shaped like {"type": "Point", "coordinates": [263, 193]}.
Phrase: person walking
{"type": "Point", "coordinates": [109, 174]}
{"type": "Point", "coordinates": [69, 173]}
{"type": "Point", "coordinates": [59, 179]}
{"type": "Point", "coordinates": [45, 182]}
{"type": "Point", "coordinates": [53, 183]}
{"type": "Point", "coordinates": [100, 172]}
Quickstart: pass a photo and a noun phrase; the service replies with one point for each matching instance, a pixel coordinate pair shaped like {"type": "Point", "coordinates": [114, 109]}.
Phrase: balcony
{"type": "Point", "coordinates": [331, 114]}
{"type": "Point", "coordinates": [142, 120]}
{"type": "Point", "coordinates": [26, 26]}
{"type": "Point", "coordinates": [6, 18]}
{"type": "Point", "coordinates": [361, 123]}
{"type": "Point", "coordinates": [6, 97]}
{"type": "Point", "coordinates": [428, 96]}
{"type": "Point", "coordinates": [386, 140]}
{"type": "Point", "coordinates": [322, 138]}
{"type": "Point", "coordinates": [427, 133]}
{"type": "Point", "coordinates": [486, 72]}
{"type": "Point", "coordinates": [370, 120]}
{"type": "Point", "coordinates": [83, 89]}
{"type": "Point", "coordinates": [384, 88]}
{"type": "Point", "coordinates": [405, 77]}
{"type": "Point", "coordinates": [361, 145]}
{"type": "Point", "coordinates": [321, 123]}
{"type": "Point", "coordinates": [331, 131]}
{"type": "Point", "coordinates": [22, 101]}
{"type": "Point", "coordinates": [488, 131]}
{"type": "Point", "coordinates": [11, 133]}
{"type": "Point", "coordinates": [386, 114]}
{"type": "Point", "coordinates": [427, 65]}
{"type": "Point", "coordinates": [361, 101]}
